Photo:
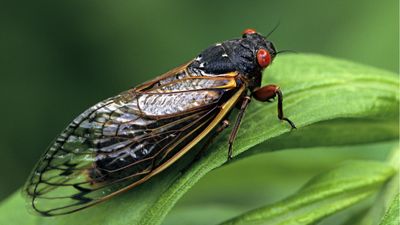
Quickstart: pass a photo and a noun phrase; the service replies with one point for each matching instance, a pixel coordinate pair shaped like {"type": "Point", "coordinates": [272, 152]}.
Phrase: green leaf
{"type": "Point", "coordinates": [392, 216]}
{"type": "Point", "coordinates": [387, 195]}
{"type": "Point", "coordinates": [391, 194]}
{"type": "Point", "coordinates": [323, 195]}
{"type": "Point", "coordinates": [328, 99]}
{"type": "Point", "coordinates": [264, 179]}
{"type": "Point", "coordinates": [200, 215]}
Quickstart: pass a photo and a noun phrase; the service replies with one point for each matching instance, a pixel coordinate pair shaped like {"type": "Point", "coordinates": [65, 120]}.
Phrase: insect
{"type": "Point", "coordinates": [123, 141]}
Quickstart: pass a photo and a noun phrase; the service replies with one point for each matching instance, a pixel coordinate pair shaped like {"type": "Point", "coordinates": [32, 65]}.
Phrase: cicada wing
{"type": "Point", "coordinates": [98, 154]}
{"type": "Point", "coordinates": [123, 141]}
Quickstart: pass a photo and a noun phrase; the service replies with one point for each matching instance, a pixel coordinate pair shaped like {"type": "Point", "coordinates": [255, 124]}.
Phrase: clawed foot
{"type": "Point", "coordinates": [290, 123]}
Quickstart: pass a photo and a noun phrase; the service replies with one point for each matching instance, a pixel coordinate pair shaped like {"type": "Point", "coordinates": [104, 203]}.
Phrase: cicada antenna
{"type": "Point", "coordinates": [286, 51]}
{"type": "Point", "coordinates": [273, 29]}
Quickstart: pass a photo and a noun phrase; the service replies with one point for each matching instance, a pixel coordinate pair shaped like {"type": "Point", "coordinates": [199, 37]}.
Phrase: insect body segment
{"type": "Point", "coordinates": [125, 140]}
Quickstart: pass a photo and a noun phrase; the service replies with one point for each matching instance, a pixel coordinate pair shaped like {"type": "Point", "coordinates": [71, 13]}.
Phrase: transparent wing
{"type": "Point", "coordinates": [117, 143]}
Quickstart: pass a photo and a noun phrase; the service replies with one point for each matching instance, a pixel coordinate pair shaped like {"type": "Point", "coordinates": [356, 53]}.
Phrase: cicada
{"type": "Point", "coordinates": [123, 141]}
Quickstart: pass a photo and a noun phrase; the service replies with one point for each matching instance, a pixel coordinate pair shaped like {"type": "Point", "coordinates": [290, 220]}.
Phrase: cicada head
{"type": "Point", "coordinates": [248, 55]}
{"type": "Point", "coordinates": [262, 51]}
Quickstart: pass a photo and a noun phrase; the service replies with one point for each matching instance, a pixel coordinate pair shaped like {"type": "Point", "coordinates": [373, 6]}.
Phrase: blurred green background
{"type": "Point", "coordinates": [60, 57]}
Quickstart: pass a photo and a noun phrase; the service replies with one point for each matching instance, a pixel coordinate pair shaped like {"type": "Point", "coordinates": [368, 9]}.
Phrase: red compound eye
{"type": "Point", "coordinates": [249, 31]}
{"type": "Point", "coordinates": [263, 58]}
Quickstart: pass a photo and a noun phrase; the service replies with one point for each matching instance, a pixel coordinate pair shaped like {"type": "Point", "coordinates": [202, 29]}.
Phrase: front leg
{"type": "Point", "coordinates": [269, 92]}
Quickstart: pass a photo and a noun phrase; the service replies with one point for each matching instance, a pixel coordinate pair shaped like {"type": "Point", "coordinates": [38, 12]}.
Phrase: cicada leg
{"type": "Point", "coordinates": [224, 124]}
{"type": "Point", "coordinates": [232, 137]}
{"type": "Point", "coordinates": [210, 139]}
{"type": "Point", "coordinates": [268, 93]}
